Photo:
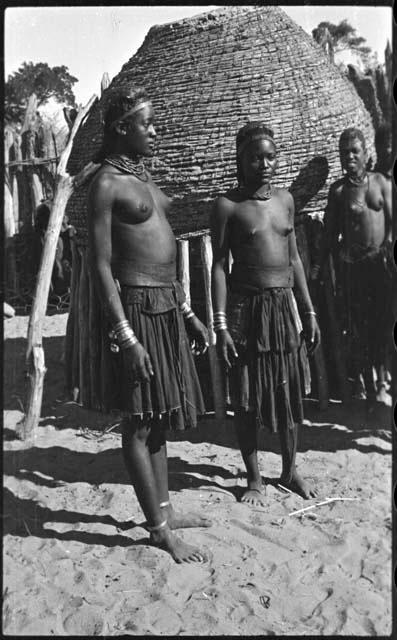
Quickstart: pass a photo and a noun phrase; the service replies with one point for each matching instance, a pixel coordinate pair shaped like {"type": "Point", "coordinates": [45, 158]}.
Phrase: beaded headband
{"type": "Point", "coordinates": [129, 113]}
{"type": "Point", "coordinates": [251, 138]}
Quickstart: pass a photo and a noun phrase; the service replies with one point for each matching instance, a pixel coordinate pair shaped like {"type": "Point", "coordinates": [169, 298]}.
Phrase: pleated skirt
{"type": "Point", "coordinates": [173, 394]}
{"type": "Point", "coordinates": [272, 373]}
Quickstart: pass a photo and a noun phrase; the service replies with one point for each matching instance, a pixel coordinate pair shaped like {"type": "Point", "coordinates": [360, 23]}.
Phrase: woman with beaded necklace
{"type": "Point", "coordinates": [133, 259]}
{"type": "Point", "coordinates": [358, 225]}
{"type": "Point", "coordinates": [258, 329]}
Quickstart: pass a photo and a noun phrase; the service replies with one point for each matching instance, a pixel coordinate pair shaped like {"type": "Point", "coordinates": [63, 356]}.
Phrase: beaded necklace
{"type": "Point", "coordinates": [127, 165]}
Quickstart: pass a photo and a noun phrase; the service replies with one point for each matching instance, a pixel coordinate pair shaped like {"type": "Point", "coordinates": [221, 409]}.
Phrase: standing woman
{"type": "Point", "coordinates": [257, 327]}
{"type": "Point", "coordinates": [133, 259]}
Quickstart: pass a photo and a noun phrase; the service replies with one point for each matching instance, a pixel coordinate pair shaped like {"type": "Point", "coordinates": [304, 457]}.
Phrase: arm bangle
{"type": "Point", "coordinates": [310, 313]}
{"type": "Point", "coordinates": [187, 312]}
{"type": "Point", "coordinates": [124, 335]}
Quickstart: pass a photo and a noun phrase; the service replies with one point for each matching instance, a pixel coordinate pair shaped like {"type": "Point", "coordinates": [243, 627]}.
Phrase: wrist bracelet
{"type": "Point", "coordinates": [310, 313]}
{"type": "Point", "coordinates": [187, 312]}
{"type": "Point", "coordinates": [129, 342]}
{"type": "Point", "coordinates": [124, 335]}
{"type": "Point", "coordinates": [121, 325]}
{"type": "Point", "coordinates": [219, 321]}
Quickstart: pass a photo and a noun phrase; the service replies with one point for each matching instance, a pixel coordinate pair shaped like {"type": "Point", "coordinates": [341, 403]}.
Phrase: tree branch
{"type": "Point", "coordinates": [34, 352]}
{"type": "Point", "coordinates": [61, 170]}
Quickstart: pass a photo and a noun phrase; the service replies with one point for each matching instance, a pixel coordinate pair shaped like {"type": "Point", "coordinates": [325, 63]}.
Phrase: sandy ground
{"type": "Point", "coordinates": [76, 559]}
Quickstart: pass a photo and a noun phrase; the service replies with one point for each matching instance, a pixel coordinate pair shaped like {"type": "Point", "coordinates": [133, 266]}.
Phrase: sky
{"type": "Point", "coordinates": [93, 40]}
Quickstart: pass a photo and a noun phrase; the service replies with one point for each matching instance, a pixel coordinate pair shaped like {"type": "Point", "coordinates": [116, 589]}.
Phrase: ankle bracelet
{"type": "Point", "coordinates": [164, 504]}
{"type": "Point", "coordinates": [157, 526]}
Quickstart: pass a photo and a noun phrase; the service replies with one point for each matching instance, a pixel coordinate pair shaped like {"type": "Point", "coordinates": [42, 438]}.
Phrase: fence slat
{"type": "Point", "coordinates": [216, 374]}
{"type": "Point", "coordinates": [183, 267]}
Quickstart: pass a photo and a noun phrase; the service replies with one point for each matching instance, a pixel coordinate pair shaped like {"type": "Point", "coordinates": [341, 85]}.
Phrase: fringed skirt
{"type": "Point", "coordinates": [272, 372]}
{"type": "Point", "coordinates": [173, 394]}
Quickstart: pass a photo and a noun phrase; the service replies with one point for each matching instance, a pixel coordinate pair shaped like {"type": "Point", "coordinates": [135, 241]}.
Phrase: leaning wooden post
{"type": "Point", "coordinates": [34, 353]}
{"type": "Point", "coordinates": [216, 377]}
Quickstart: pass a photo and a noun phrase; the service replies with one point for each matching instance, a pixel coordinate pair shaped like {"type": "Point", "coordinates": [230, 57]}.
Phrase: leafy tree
{"type": "Point", "coordinates": [38, 78]}
{"type": "Point", "coordinates": [340, 37]}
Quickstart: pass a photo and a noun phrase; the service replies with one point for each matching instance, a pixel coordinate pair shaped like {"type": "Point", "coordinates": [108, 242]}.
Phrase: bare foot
{"type": "Point", "coordinates": [254, 496]}
{"type": "Point", "coordinates": [177, 520]}
{"type": "Point", "coordinates": [296, 484]}
{"type": "Point", "coordinates": [179, 550]}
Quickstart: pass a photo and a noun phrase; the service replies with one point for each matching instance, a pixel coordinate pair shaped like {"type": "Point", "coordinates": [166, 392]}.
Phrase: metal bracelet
{"type": "Point", "coordinates": [187, 312]}
{"type": "Point", "coordinates": [219, 325]}
{"type": "Point", "coordinates": [121, 324]}
{"type": "Point", "coordinates": [129, 342]}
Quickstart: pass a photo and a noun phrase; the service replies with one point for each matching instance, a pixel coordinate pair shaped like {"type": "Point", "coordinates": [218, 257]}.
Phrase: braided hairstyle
{"type": "Point", "coordinates": [117, 102]}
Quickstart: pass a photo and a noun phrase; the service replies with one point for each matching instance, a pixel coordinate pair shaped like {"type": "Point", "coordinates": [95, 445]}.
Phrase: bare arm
{"type": "Point", "coordinates": [220, 252]}
{"type": "Point", "coordinates": [387, 208]}
{"type": "Point", "coordinates": [309, 321]}
{"type": "Point", "coordinates": [220, 221]}
{"type": "Point", "coordinates": [299, 273]}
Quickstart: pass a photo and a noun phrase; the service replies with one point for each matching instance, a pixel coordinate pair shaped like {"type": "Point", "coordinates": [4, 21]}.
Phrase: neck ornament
{"type": "Point", "coordinates": [357, 181]}
{"type": "Point", "coordinates": [127, 165]}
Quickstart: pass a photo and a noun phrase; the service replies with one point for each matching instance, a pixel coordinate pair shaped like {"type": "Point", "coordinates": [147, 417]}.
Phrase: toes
{"type": "Point", "coordinates": [195, 557]}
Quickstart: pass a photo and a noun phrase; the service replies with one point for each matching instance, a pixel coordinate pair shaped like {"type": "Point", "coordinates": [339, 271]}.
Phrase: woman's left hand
{"type": "Point", "coordinates": [198, 335]}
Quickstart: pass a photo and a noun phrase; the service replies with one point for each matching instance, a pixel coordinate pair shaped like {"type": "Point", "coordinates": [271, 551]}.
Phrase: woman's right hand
{"type": "Point", "coordinates": [225, 347]}
{"type": "Point", "coordinates": [137, 363]}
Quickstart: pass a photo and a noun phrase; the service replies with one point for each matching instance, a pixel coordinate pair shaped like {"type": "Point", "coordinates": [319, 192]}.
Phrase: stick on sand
{"type": "Point", "coordinates": [318, 504]}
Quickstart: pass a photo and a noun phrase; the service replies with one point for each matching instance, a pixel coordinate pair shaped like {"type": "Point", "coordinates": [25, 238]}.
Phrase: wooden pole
{"type": "Point", "coordinates": [70, 328]}
{"type": "Point", "coordinates": [34, 353]}
{"type": "Point", "coordinates": [94, 342]}
{"type": "Point", "coordinates": [84, 355]}
{"type": "Point", "coordinates": [183, 267]}
{"type": "Point", "coordinates": [15, 201]}
{"type": "Point", "coordinates": [216, 376]}
{"type": "Point", "coordinates": [9, 216]}
{"type": "Point", "coordinates": [9, 220]}
{"type": "Point", "coordinates": [75, 366]}
{"type": "Point", "coordinates": [37, 190]}
{"type": "Point", "coordinates": [29, 131]}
